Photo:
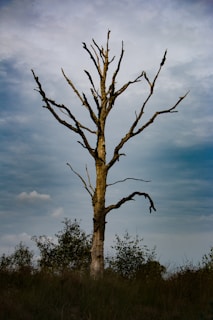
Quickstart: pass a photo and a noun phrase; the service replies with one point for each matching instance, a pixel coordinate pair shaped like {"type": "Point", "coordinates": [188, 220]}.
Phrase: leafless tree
{"type": "Point", "coordinates": [104, 97]}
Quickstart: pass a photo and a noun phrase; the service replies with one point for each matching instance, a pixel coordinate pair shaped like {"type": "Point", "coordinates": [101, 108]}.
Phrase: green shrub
{"type": "Point", "coordinates": [130, 256]}
{"type": "Point", "coordinates": [72, 250]}
{"type": "Point", "coordinates": [20, 260]}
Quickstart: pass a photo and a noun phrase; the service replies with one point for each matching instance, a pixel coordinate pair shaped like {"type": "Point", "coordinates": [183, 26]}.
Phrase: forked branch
{"type": "Point", "coordinates": [77, 127]}
{"type": "Point", "coordinates": [132, 132]}
{"type": "Point", "coordinates": [82, 98]}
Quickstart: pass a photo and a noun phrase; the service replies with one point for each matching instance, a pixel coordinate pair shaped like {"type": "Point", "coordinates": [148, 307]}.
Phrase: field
{"type": "Point", "coordinates": [185, 295]}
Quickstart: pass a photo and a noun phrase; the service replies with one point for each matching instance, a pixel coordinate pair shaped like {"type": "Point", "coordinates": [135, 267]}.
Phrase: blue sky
{"type": "Point", "coordinates": [37, 188]}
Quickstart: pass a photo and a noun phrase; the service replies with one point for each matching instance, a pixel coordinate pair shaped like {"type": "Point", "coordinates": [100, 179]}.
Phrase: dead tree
{"type": "Point", "coordinates": [104, 97]}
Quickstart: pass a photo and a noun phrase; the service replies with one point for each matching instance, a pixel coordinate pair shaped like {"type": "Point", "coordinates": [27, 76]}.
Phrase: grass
{"type": "Point", "coordinates": [186, 295]}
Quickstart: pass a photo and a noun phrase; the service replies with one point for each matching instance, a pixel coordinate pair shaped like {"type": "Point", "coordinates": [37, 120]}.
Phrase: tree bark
{"type": "Point", "coordinates": [99, 210]}
{"type": "Point", "coordinates": [97, 250]}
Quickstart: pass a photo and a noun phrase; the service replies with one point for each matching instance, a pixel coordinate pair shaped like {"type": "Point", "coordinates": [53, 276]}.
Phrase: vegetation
{"type": "Point", "coordinates": [104, 95]}
{"type": "Point", "coordinates": [71, 251]}
{"type": "Point", "coordinates": [133, 286]}
{"type": "Point", "coordinates": [131, 257]}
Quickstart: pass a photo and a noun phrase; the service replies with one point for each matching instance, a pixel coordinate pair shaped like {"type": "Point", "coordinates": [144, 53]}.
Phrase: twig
{"type": "Point", "coordinates": [80, 177]}
{"type": "Point", "coordinates": [111, 184]}
{"type": "Point", "coordinates": [89, 181]}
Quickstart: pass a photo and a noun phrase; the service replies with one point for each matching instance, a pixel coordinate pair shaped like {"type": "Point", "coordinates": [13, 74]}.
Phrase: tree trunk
{"type": "Point", "coordinates": [97, 251]}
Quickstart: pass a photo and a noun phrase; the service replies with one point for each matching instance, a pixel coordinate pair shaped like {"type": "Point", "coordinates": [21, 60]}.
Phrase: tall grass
{"type": "Point", "coordinates": [186, 295]}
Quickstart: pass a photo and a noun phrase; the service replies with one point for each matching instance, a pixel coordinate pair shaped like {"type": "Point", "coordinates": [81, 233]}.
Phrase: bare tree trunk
{"type": "Point", "coordinates": [99, 211]}
{"type": "Point", "coordinates": [97, 250]}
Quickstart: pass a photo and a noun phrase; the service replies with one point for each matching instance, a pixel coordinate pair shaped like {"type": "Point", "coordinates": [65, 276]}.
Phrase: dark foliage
{"type": "Point", "coordinates": [72, 250]}
{"type": "Point", "coordinates": [20, 260]}
{"type": "Point", "coordinates": [132, 259]}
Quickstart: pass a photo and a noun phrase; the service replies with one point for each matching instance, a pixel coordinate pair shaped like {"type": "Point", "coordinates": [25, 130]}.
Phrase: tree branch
{"type": "Point", "coordinates": [152, 119]}
{"type": "Point", "coordinates": [92, 83]}
{"type": "Point", "coordinates": [119, 64]}
{"type": "Point", "coordinates": [72, 86]}
{"type": "Point", "coordinates": [131, 133]}
{"type": "Point", "coordinates": [114, 95]}
{"type": "Point", "coordinates": [96, 63]}
{"type": "Point", "coordinates": [152, 86]}
{"type": "Point", "coordinates": [128, 198]}
{"type": "Point", "coordinates": [83, 181]}
{"type": "Point", "coordinates": [82, 98]}
{"type": "Point", "coordinates": [89, 181]}
{"type": "Point", "coordinates": [123, 180]}
{"type": "Point", "coordinates": [78, 125]}
{"type": "Point", "coordinates": [126, 85]}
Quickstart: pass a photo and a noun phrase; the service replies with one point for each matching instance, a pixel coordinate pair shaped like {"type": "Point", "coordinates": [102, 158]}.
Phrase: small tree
{"type": "Point", "coordinates": [20, 260]}
{"type": "Point", "coordinates": [104, 96]}
{"type": "Point", "coordinates": [72, 250]}
{"type": "Point", "coordinates": [130, 256]}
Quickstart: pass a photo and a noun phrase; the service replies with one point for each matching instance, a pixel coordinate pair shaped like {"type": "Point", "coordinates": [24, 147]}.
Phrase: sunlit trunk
{"type": "Point", "coordinates": [97, 251]}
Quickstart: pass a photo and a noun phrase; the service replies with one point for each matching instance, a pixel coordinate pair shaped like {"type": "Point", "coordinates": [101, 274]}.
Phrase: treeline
{"type": "Point", "coordinates": [70, 251]}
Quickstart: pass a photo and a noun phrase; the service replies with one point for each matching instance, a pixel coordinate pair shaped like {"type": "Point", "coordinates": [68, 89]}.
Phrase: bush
{"type": "Point", "coordinates": [72, 250]}
{"type": "Point", "coordinates": [130, 256]}
{"type": "Point", "coordinates": [20, 260]}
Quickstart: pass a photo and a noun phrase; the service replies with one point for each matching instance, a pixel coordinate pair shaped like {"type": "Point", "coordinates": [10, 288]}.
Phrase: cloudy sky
{"type": "Point", "coordinates": [37, 188]}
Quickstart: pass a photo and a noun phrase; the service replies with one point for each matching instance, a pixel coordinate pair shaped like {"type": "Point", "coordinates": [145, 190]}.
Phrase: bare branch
{"type": "Point", "coordinates": [78, 125]}
{"type": "Point", "coordinates": [72, 86]}
{"type": "Point", "coordinates": [101, 52]}
{"type": "Point", "coordinates": [80, 177]}
{"type": "Point", "coordinates": [126, 85]}
{"type": "Point", "coordinates": [82, 98]}
{"type": "Point", "coordinates": [123, 180]}
{"type": "Point", "coordinates": [89, 181]}
{"type": "Point", "coordinates": [69, 114]}
{"type": "Point", "coordinates": [119, 63]}
{"type": "Point", "coordinates": [152, 119]}
{"type": "Point", "coordinates": [151, 85]}
{"type": "Point", "coordinates": [95, 97]}
{"type": "Point", "coordinates": [97, 64]}
{"type": "Point", "coordinates": [91, 81]}
{"type": "Point", "coordinates": [131, 133]}
{"type": "Point", "coordinates": [159, 70]}
{"type": "Point", "coordinates": [114, 95]}
{"type": "Point", "coordinates": [48, 103]}
{"type": "Point", "coordinates": [89, 108]}
{"type": "Point", "coordinates": [164, 59]}
{"type": "Point", "coordinates": [128, 198]}
{"type": "Point", "coordinates": [94, 91]}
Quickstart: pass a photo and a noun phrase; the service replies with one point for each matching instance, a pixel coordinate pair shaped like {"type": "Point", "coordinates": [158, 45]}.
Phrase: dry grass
{"type": "Point", "coordinates": [187, 295]}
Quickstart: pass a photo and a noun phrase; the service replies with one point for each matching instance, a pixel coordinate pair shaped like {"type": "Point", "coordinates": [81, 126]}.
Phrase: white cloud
{"type": "Point", "coordinates": [58, 212]}
{"type": "Point", "coordinates": [34, 195]}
